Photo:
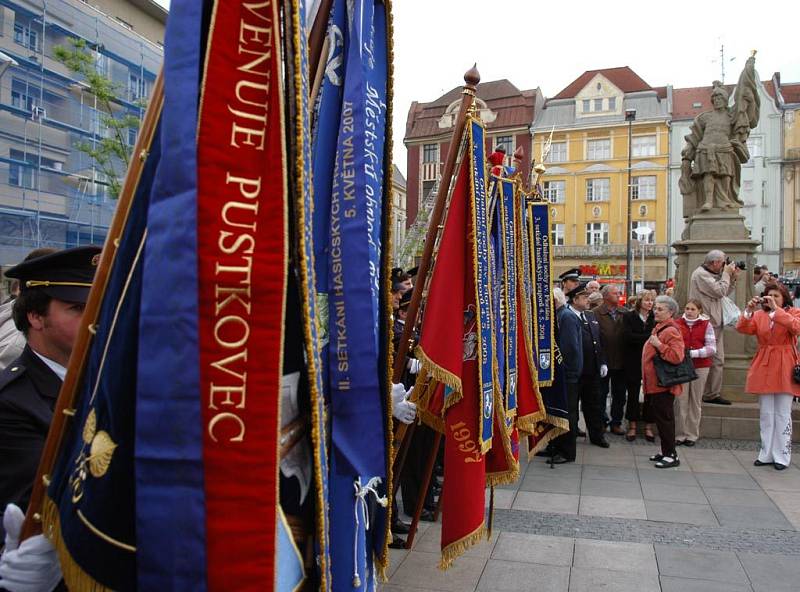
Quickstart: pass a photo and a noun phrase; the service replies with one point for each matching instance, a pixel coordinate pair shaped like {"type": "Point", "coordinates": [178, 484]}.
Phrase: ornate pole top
{"type": "Point", "coordinates": [472, 77]}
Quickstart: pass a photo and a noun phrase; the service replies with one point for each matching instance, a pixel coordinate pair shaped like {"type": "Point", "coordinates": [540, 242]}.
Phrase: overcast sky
{"type": "Point", "coordinates": [550, 43]}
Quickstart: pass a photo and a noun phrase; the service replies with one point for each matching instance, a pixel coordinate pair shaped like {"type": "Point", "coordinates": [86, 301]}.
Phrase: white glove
{"type": "Point", "coordinates": [414, 365]}
{"type": "Point", "coordinates": [405, 411]}
{"type": "Point", "coordinates": [398, 394]}
{"type": "Point", "coordinates": [603, 370]}
{"type": "Point", "coordinates": [28, 567]}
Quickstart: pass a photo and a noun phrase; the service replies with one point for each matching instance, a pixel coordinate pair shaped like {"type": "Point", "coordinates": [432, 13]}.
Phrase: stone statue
{"type": "Point", "coordinates": [716, 147]}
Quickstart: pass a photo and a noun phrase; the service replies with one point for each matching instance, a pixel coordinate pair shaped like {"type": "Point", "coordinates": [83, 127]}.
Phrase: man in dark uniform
{"type": "Point", "coordinates": [584, 365]}
{"type": "Point", "coordinates": [48, 311]}
{"type": "Point", "coordinates": [570, 279]}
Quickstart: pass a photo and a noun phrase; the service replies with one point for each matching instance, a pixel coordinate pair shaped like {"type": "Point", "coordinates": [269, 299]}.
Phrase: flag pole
{"type": "Point", "coordinates": [471, 80]}
{"type": "Point", "coordinates": [67, 397]}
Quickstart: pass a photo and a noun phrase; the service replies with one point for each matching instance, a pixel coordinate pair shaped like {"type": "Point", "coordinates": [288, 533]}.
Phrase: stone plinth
{"type": "Point", "coordinates": [726, 232]}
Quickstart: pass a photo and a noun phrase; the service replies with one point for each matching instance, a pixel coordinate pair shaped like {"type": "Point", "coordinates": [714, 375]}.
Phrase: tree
{"type": "Point", "coordinates": [111, 153]}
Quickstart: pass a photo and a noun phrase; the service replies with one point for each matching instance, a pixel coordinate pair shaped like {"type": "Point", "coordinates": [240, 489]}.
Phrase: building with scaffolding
{"type": "Point", "coordinates": [51, 192]}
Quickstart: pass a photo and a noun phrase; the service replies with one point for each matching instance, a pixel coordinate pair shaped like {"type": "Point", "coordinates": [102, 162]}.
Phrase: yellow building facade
{"type": "Point", "coordinates": [587, 174]}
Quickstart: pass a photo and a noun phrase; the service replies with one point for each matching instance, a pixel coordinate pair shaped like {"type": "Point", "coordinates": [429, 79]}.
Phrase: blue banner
{"type": "Point", "coordinates": [480, 223]}
{"type": "Point", "coordinates": [509, 234]}
{"type": "Point", "coordinates": [539, 228]}
{"type": "Point", "coordinates": [356, 348]}
{"type": "Point", "coordinates": [170, 495]}
{"type": "Point", "coordinates": [497, 257]}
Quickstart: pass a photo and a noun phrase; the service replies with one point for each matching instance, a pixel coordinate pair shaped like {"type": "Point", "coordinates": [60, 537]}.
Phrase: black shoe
{"type": "Point", "coordinates": [758, 463]}
{"type": "Point", "coordinates": [656, 457]}
{"type": "Point", "coordinates": [779, 467]}
{"type": "Point", "coordinates": [688, 443]}
{"type": "Point", "coordinates": [400, 527]}
{"type": "Point", "coordinates": [601, 442]}
{"type": "Point", "coordinates": [397, 543]}
{"type": "Point", "coordinates": [427, 516]}
{"type": "Point", "coordinates": [680, 442]}
{"type": "Point", "coordinates": [560, 460]}
{"type": "Point", "coordinates": [668, 462]}
{"type": "Point", "coordinates": [581, 433]}
{"type": "Point", "coordinates": [718, 401]}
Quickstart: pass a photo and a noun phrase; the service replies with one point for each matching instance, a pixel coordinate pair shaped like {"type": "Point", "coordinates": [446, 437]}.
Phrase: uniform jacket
{"type": "Point", "coordinates": [571, 344]}
{"type": "Point", "coordinates": [709, 289]}
{"type": "Point", "coordinates": [672, 350]}
{"type": "Point", "coordinates": [28, 393]}
{"type": "Point", "coordinates": [611, 330]}
{"type": "Point", "coordinates": [12, 341]}
{"type": "Point", "coordinates": [771, 369]}
{"type": "Point", "coordinates": [635, 333]}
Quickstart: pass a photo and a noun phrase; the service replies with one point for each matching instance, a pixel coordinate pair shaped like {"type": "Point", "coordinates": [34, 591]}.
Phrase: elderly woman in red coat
{"type": "Point", "coordinates": [666, 341]}
{"type": "Point", "coordinates": [776, 324]}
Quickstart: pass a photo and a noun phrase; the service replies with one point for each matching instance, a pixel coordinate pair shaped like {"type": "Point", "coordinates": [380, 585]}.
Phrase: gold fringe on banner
{"type": "Point", "coordinates": [76, 579]}
{"type": "Point", "coordinates": [454, 550]}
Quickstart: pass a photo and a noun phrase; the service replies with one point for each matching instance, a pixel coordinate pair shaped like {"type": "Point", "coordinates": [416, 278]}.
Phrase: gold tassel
{"type": "Point", "coordinates": [454, 550]}
{"type": "Point", "coordinates": [76, 579]}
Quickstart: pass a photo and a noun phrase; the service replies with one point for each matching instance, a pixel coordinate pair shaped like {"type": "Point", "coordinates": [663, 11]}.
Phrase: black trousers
{"type": "Point", "coordinates": [414, 467]}
{"type": "Point", "coordinates": [662, 406]}
{"type": "Point", "coordinates": [615, 379]}
{"type": "Point", "coordinates": [587, 392]}
{"type": "Point", "coordinates": [635, 411]}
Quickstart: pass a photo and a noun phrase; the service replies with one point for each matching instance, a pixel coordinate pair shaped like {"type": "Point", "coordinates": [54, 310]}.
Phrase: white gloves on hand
{"type": "Point", "coordinates": [603, 371]}
{"type": "Point", "coordinates": [402, 409]}
{"type": "Point", "coordinates": [413, 365]}
{"type": "Point", "coordinates": [28, 567]}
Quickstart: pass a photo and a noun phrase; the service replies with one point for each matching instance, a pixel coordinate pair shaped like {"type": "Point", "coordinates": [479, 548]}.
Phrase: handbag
{"type": "Point", "coordinates": [730, 312]}
{"type": "Point", "coordinates": [668, 374]}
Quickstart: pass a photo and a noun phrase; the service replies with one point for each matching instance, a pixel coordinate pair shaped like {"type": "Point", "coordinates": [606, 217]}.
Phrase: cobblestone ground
{"type": "Point", "coordinates": [611, 521]}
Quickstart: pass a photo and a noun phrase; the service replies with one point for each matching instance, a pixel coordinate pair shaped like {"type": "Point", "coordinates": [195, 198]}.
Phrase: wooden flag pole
{"type": "Point", "coordinates": [471, 80]}
{"type": "Point", "coordinates": [67, 397]}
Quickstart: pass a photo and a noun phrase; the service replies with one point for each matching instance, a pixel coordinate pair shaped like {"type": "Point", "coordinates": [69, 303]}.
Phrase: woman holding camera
{"type": "Point", "coordinates": [776, 325]}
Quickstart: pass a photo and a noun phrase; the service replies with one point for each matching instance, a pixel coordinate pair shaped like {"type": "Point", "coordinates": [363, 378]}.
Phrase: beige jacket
{"type": "Point", "coordinates": [710, 289]}
{"type": "Point", "coordinates": [12, 341]}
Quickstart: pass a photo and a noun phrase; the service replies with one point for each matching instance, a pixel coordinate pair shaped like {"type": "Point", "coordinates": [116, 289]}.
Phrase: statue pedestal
{"type": "Point", "coordinates": [726, 232]}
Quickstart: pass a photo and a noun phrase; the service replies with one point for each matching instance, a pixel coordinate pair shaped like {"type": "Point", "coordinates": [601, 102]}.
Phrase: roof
{"type": "Point", "coordinates": [688, 103]}
{"type": "Point", "coordinates": [791, 93]}
{"type": "Point", "coordinates": [397, 177]}
{"type": "Point", "coordinates": [623, 78]}
{"type": "Point", "coordinates": [513, 107]}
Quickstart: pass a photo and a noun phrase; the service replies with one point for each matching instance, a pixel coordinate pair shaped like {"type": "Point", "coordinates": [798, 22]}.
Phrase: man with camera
{"type": "Point", "coordinates": [710, 283]}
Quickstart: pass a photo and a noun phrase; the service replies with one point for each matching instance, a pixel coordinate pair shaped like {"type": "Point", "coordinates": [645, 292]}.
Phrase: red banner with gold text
{"type": "Point", "coordinates": [242, 248]}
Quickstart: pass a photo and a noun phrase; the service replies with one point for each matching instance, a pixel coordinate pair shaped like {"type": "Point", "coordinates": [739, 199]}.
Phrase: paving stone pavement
{"type": "Point", "coordinates": [611, 521]}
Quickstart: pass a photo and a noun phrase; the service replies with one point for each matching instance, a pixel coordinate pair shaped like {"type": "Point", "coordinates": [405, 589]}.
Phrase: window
{"type": "Point", "coordinates": [554, 191]}
{"type": "Point", "coordinates": [643, 187]}
{"type": "Point", "coordinates": [138, 88]}
{"type": "Point", "coordinates": [597, 233]}
{"type": "Point", "coordinates": [427, 187]}
{"type": "Point", "coordinates": [598, 149]}
{"type": "Point", "coordinates": [598, 104]}
{"type": "Point", "coordinates": [101, 63]}
{"type": "Point", "coordinates": [430, 153]}
{"type": "Point", "coordinates": [26, 36]}
{"type": "Point", "coordinates": [597, 189]}
{"type": "Point", "coordinates": [651, 238]}
{"type": "Point", "coordinates": [755, 146]}
{"type": "Point", "coordinates": [20, 97]}
{"type": "Point", "coordinates": [612, 103]}
{"type": "Point", "coordinates": [644, 146]}
{"type": "Point", "coordinates": [557, 234]}
{"type": "Point", "coordinates": [22, 175]}
{"type": "Point", "coordinates": [558, 152]}
{"type": "Point", "coordinates": [132, 133]}
{"type": "Point", "coordinates": [587, 105]}
{"type": "Point", "coordinates": [506, 142]}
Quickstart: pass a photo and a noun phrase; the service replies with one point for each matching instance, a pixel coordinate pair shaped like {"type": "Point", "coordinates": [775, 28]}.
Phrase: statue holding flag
{"type": "Point", "coordinates": [716, 147]}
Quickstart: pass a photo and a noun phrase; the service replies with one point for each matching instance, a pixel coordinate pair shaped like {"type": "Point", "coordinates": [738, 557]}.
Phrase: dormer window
{"type": "Point", "coordinates": [587, 105]}
{"type": "Point", "coordinates": [612, 103]}
{"type": "Point", "coordinates": [598, 104]}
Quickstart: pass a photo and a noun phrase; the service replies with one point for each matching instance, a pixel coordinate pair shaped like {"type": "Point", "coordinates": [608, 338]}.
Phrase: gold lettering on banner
{"type": "Point", "coordinates": [248, 112]}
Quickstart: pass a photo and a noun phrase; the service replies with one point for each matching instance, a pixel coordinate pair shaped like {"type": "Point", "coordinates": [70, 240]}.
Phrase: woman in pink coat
{"type": "Point", "coordinates": [776, 324]}
{"type": "Point", "coordinates": [666, 341]}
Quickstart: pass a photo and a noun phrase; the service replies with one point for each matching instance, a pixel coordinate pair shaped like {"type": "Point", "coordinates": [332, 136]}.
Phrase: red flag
{"type": "Point", "coordinates": [448, 349]}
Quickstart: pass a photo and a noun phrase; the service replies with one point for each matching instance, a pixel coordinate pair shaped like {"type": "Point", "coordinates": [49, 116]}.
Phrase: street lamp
{"type": "Point", "coordinates": [642, 232]}
{"type": "Point", "coordinates": [630, 116]}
